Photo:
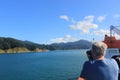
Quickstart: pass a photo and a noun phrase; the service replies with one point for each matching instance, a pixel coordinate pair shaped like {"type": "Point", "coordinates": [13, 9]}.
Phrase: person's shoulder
{"type": "Point", "coordinates": [114, 63]}
{"type": "Point", "coordinates": [110, 60]}
{"type": "Point", "coordinates": [88, 62]}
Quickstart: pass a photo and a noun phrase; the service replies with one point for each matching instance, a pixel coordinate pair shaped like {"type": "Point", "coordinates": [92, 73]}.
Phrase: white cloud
{"type": "Point", "coordinates": [116, 16]}
{"type": "Point", "coordinates": [101, 18]}
{"type": "Point", "coordinates": [64, 17]}
{"type": "Point", "coordinates": [65, 39]}
{"type": "Point", "coordinates": [101, 32]}
{"type": "Point", "coordinates": [84, 25]}
{"type": "Point", "coordinates": [89, 18]}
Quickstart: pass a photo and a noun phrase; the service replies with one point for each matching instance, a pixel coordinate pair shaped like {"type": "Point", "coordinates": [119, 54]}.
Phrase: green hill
{"type": "Point", "coordinates": [11, 45]}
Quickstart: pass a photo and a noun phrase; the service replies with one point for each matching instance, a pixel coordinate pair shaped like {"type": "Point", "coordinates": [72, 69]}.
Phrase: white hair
{"type": "Point", "coordinates": [99, 49]}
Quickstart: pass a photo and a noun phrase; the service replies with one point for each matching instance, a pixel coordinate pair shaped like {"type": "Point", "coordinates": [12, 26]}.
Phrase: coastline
{"type": "Point", "coordinates": [21, 50]}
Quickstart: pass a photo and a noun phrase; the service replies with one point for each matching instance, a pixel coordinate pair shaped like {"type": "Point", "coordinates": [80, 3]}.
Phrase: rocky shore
{"type": "Point", "coordinates": [20, 50]}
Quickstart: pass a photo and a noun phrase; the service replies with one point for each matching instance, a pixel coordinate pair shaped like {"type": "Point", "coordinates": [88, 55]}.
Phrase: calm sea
{"type": "Point", "coordinates": [52, 65]}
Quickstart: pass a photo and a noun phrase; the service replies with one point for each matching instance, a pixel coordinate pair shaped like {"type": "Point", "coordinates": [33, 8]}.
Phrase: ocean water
{"type": "Point", "coordinates": [52, 65]}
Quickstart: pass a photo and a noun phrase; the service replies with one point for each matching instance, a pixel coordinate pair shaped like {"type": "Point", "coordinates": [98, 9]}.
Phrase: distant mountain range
{"type": "Point", "coordinates": [81, 44]}
{"type": "Point", "coordinates": [11, 45]}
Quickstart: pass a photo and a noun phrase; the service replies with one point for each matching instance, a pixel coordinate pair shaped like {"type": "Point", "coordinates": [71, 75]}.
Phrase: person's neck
{"type": "Point", "coordinates": [101, 58]}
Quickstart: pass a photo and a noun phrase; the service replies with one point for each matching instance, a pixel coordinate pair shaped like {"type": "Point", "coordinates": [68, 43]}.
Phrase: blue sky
{"type": "Point", "coordinates": [49, 21]}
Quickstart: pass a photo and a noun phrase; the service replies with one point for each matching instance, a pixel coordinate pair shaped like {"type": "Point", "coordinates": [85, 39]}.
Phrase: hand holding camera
{"type": "Point", "coordinates": [89, 55]}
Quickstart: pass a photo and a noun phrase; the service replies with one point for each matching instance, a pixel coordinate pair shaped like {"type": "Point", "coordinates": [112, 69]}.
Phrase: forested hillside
{"type": "Point", "coordinates": [11, 45]}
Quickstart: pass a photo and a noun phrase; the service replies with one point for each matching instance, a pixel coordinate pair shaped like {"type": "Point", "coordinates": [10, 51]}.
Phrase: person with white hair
{"type": "Point", "coordinates": [98, 67]}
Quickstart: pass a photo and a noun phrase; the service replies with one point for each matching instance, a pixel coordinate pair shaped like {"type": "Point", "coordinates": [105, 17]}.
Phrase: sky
{"type": "Point", "coordinates": [55, 21]}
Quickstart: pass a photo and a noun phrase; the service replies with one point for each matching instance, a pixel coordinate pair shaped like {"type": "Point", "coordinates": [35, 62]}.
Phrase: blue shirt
{"type": "Point", "coordinates": [106, 69]}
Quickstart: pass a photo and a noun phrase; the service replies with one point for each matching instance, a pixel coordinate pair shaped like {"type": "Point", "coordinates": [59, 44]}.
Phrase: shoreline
{"type": "Point", "coordinates": [21, 50]}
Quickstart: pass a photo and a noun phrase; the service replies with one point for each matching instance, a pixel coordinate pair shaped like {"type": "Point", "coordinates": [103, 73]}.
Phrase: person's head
{"type": "Point", "coordinates": [98, 49]}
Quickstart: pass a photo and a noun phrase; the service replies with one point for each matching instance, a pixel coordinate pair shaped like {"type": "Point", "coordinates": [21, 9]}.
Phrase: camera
{"type": "Point", "coordinates": [89, 55]}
